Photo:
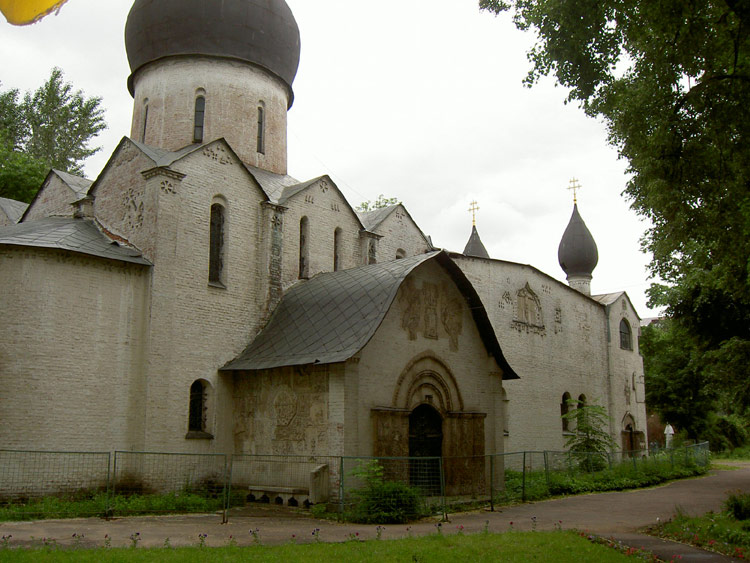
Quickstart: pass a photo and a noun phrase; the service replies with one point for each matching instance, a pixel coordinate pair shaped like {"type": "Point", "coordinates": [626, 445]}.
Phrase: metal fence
{"type": "Point", "coordinates": [42, 484]}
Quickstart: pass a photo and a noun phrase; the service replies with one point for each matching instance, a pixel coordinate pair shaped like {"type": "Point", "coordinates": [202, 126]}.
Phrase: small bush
{"type": "Point", "coordinates": [738, 505]}
{"type": "Point", "coordinates": [384, 502]}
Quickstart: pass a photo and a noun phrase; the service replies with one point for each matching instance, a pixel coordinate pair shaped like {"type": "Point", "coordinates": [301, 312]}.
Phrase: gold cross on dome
{"type": "Point", "coordinates": [473, 208]}
{"type": "Point", "coordinates": [575, 185]}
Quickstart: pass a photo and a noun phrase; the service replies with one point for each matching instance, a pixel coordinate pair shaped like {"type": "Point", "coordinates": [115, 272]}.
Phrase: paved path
{"type": "Point", "coordinates": [617, 515]}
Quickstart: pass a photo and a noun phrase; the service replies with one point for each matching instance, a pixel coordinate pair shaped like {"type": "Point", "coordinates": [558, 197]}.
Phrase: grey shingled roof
{"type": "Point", "coordinates": [78, 184]}
{"type": "Point", "coordinates": [607, 298]}
{"type": "Point", "coordinates": [475, 247]}
{"type": "Point", "coordinates": [13, 209]}
{"type": "Point", "coordinates": [331, 317]}
{"type": "Point", "coordinates": [75, 235]}
{"type": "Point", "coordinates": [372, 219]}
{"type": "Point", "coordinates": [272, 184]}
{"type": "Point", "coordinates": [163, 157]}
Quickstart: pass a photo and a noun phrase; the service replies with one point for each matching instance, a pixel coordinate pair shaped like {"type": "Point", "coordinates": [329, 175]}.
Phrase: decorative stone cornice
{"type": "Point", "coordinates": [162, 171]}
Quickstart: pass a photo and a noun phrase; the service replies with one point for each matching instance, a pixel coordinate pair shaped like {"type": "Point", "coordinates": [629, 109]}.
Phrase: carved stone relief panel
{"type": "Point", "coordinates": [412, 308]}
{"type": "Point", "coordinates": [558, 320]}
{"type": "Point", "coordinates": [506, 301]}
{"type": "Point", "coordinates": [218, 154]}
{"type": "Point", "coordinates": [430, 293]}
{"type": "Point", "coordinates": [133, 206]}
{"type": "Point", "coordinates": [451, 315]}
{"type": "Point", "coordinates": [528, 312]}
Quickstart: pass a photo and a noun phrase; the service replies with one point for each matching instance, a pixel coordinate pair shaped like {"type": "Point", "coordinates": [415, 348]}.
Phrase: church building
{"type": "Point", "coordinates": [196, 298]}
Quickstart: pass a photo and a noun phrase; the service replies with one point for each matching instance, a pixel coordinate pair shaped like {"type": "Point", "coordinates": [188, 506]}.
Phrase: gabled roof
{"type": "Point", "coordinates": [475, 247]}
{"type": "Point", "coordinates": [75, 235]}
{"type": "Point", "coordinates": [607, 298]}
{"type": "Point", "coordinates": [163, 157]}
{"type": "Point", "coordinates": [77, 184]}
{"type": "Point", "coordinates": [13, 209]}
{"type": "Point", "coordinates": [331, 317]}
{"type": "Point", "coordinates": [373, 219]}
{"type": "Point", "coordinates": [272, 184]}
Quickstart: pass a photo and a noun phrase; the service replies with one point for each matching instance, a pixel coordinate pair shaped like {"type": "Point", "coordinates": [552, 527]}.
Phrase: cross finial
{"type": "Point", "coordinates": [473, 208]}
{"type": "Point", "coordinates": [575, 185]}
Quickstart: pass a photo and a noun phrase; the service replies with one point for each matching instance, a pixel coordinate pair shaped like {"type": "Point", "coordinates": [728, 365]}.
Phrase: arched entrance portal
{"type": "Point", "coordinates": [425, 440]}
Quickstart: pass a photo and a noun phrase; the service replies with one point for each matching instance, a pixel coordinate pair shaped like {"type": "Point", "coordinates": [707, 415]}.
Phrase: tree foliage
{"type": "Point", "coordinates": [379, 203]}
{"type": "Point", "coordinates": [49, 128]}
{"type": "Point", "coordinates": [590, 440]}
{"type": "Point", "coordinates": [671, 80]}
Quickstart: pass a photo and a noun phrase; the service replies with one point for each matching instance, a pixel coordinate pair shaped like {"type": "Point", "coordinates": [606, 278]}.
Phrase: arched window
{"type": "Point", "coordinates": [304, 251]}
{"type": "Point", "coordinates": [261, 140]}
{"type": "Point", "coordinates": [565, 409]}
{"type": "Point", "coordinates": [337, 249]}
{"type": "Point", "coordinates": [145, 120]}
{"type": "Point", "coordinates": [200, 114]}
{"type": "Point", "coordinates": [216, 245]}
{"type": "Point", "coordinates": [581, 400]}
{"type": "Point", "coordinates": [371, 252]}
{"type": "Point", "coordinates": [197, 408]}
{"type": "Point", "coordinates": [626, 336]}
{"type": "Point", "coordinates": [400, 253]}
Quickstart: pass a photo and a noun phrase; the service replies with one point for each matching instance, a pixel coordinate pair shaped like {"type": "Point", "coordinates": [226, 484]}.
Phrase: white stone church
{"type": "Point", "coordinates": [196, 298]}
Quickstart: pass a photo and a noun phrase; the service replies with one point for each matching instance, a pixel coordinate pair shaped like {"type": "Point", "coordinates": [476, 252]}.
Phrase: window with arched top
{"type": "Point", "coordinates": [581, 400]}
{"type": "Point", "coordinates": [337, 234]}
{"type": "Point", "coordinates": [261, 137]}
{"type": "Point", "coordinates": [372, 252]}
{"type": "Point", "coordinates": [198, 121]}
{"type": "Point", "coordinates": [198, 405]}
{"type": "Point", "coordinates": [304, 250]}
{"type": "Point", "coordinates": [216, 245]}
{"type": "Point", "coordinates": [626, 335]}
{"type": "Point", "coordinates": [145, 120]}
{"type": "Point", "coordinates": [400, 253]}
{"type": "Point", "coordinates": [564, 410]}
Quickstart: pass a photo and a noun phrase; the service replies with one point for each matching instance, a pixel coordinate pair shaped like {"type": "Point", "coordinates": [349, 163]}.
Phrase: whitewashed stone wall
{"type": "Point", "coordinates": [233, 92]}
{"type": "Point", "coordinates": [72, 351]}
{"type": "Point", "coordinates": [628, 388]}
{"type": "Point", "coordinates": [197, 328]}
{"type": "Point", "coordinates": [326, 210]}
{"type": "Point", "coordinates": [429, 322]}
{"type": "Point", "coordinates": [399, 232]}
{"type": "Point", "coordinates": [554, 338]}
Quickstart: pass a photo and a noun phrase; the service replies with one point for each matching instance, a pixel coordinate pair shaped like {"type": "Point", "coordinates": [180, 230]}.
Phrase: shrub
{"type": "Point", "coordinates": [384, 502]}
{"type": "Point", "coordinates": [738, 505]}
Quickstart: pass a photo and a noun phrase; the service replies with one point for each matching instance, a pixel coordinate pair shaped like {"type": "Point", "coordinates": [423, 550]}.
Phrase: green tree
{"type": "Point", "coordinates": [379, 203]}
{"type": "Point", "coordinates": [49, 128]}
{"type": "Point", "coordinates": [590, 441]}
{"type": "Point", "coordinates": [671, 80]}
{"type": "Point", "coordinates": [20, 174]}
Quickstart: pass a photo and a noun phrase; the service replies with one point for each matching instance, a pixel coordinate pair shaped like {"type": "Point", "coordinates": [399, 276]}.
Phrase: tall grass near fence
{"type": "Point", "coordinates": [37, 485]}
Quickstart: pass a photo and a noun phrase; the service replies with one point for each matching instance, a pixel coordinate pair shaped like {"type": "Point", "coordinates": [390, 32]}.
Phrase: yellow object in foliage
{"type": "Point", "coordinates": [24, 12]}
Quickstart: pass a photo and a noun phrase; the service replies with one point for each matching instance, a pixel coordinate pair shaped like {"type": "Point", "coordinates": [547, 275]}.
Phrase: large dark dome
{"type": "Point", "coordinates": [577, 252]}
{"type": "Point", "coordinates": [262, 32]}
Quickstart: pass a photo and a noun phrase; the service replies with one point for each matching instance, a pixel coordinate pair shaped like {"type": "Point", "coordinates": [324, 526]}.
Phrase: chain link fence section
{"type": "Point", "coordinates": [42, 484]}
{"type": "Point", "coordinates": [285, 480]}
{"type": "Point", "coordinates": [155, 483]}
{"type": "Point", "coordinates": [393, 489]}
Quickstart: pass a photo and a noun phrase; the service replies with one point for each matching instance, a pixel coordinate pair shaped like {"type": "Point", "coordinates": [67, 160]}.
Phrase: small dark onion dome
{"type": "Point", "coordinates": [475, 247]}
{"type": "Point", "coordinates": [262, 32]}
{"type": "Point", "coordinates": [577, 252]}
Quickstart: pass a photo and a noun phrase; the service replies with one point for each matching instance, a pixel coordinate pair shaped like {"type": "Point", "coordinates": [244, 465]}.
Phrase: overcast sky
{"type": "Point", "coordinates": [415, 99]}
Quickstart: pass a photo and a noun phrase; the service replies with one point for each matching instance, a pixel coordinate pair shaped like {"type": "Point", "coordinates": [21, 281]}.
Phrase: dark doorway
{"type": "Point", "coordinates": [425, 440]}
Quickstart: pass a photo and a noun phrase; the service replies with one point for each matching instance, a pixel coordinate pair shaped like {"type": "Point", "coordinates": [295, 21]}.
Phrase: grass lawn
{"type": "Point", "coordinates": [559, 546]}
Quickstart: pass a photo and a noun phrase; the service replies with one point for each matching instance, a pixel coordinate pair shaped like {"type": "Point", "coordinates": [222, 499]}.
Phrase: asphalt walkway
{"type": "Point", "coordinates": [611, 515]}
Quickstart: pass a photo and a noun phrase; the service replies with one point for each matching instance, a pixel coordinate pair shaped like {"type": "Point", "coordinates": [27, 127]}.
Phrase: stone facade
{"type": "Point", "coordinates": [125, 350]}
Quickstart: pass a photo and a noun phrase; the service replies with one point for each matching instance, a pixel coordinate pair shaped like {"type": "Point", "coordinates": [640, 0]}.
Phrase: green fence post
{"type": "Point", "coordinates": [341, 488]}
{"type": "Point", "coordinates": [635, 462]}
{"type": "Point", "coordinates": [111, 508]}
{"type": "Point", "coordinates": [442, 490]}
{"type": "Point", "coordinates": [227, 487]}
{"type": "Point", "coordinates": [492, 483]}
{"type": "Point", "coordinates": [108, 498]}
{"type": "Point", "coordinates": [523, 478]}
{"type": "Point", "coordinates": [546, 468]}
